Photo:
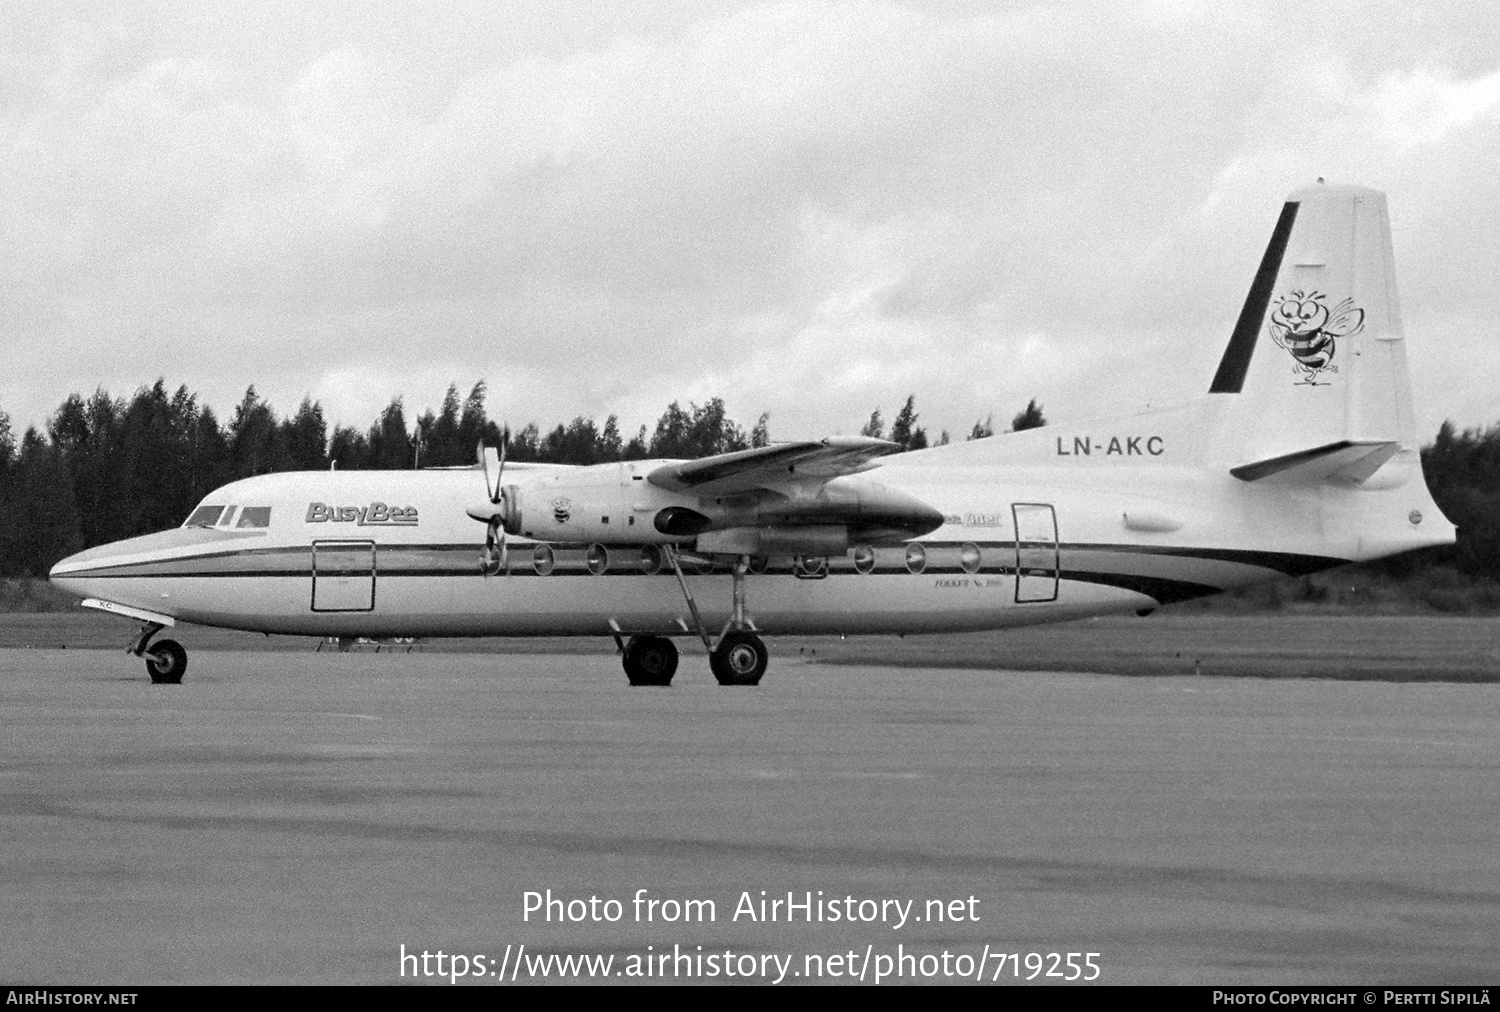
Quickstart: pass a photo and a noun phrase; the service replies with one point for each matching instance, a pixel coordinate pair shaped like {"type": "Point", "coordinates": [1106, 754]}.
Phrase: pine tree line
{"type": "Point", "coordinates": [911, 436]}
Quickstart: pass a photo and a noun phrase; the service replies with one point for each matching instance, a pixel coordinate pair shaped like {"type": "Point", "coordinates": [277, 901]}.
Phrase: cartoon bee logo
{"type": "Point", "coordinates": [562, 509]}
{"type": "Point", "coordinates": [1303, 324]}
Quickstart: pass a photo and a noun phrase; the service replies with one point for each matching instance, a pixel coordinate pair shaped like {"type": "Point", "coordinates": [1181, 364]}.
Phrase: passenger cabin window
{"type": "Point", "coordinates": [255, 516]}
{"type": "Point", "coordinates": [204, 516]}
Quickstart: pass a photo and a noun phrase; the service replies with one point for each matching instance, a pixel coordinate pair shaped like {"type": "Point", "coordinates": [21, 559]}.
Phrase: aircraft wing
{"type": "Point", "coordinates": [772, 465]}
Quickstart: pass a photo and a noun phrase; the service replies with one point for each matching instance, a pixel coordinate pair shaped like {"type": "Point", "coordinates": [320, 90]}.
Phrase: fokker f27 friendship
{"type": "Point", "coordinates": [1302, 456]}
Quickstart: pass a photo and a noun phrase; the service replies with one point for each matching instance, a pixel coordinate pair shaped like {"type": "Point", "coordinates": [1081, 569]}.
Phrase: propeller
{"type": "Point", "coordinates": [487, 455]}
{"type": "Point", "coordinates": [495, 556]}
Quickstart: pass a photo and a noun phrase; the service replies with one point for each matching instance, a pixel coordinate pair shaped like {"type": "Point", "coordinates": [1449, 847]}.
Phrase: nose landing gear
{"type": "Point", "coordinates": [166, 660]}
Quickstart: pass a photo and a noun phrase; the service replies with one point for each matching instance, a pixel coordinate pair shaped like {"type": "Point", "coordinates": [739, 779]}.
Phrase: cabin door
{"type": "Point", "coordinates": [1036, 552]}
{"type": "Point", "coordinates": [343, 576]}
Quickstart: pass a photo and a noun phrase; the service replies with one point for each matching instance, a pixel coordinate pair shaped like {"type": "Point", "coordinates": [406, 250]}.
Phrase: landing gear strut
{"type": "Point", "coordinates": [165, 661]}
{"type": "Point", "coordinates": [650, 660]}
{"type": "Point", "coordinates": [739, 657]}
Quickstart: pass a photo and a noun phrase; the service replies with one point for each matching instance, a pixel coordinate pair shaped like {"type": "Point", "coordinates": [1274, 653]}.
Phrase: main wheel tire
{"type": "Point", "coordinates": [650, 660]}
{"type": "Point", "coordinates": [165, 662]}
{"type": "Point", "coordinates": [740, 659]}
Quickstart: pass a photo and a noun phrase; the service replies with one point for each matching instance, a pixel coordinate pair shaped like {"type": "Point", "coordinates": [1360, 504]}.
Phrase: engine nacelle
{"type": "Point", "coordinates": [681, 522]}
{"type": "Point", "coordinates": [866, 510]}
{"type": "Point", "coordinates": [612, 504]}
{"type": "Point", "coordinates": [588, 506]}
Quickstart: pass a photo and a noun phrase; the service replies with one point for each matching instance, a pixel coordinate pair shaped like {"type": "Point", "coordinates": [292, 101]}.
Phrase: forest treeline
{"type": "Point", "coordinates": [108, 468]}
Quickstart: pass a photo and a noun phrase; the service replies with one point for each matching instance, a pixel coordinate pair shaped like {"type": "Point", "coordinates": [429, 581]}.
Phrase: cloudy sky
{"type": "Point", "coordinates": [811, 209]}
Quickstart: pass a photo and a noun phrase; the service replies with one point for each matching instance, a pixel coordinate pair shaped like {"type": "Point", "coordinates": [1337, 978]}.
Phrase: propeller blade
{"type": "Point", "coordinates": [492, 464]}
{"type": "Point", "coordinates": [483, 465]}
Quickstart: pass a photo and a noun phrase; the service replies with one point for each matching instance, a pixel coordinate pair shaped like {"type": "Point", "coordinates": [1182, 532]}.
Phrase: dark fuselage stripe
{"type": "Point", "coordinates": [1164, 590]}
{"type": "Point", "coordinates": [390, 561]}
{"type": "Point", "coordinates": [1286, 563]}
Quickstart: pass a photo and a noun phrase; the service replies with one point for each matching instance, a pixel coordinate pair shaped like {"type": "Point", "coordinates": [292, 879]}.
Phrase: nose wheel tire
{"type": "Point", "coordinates": [165, 662]}
{"type": "Point", "coordinates": [650, 660]}
{"type": "Point", "coordinates": [739, 659]}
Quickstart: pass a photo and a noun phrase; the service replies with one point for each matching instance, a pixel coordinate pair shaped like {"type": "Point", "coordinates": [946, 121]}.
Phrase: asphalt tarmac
{"type": "Point", "coordinates": [288, 817]}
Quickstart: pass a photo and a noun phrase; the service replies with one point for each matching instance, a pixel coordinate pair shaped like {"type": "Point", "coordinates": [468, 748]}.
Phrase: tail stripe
{"type": "Point", "coordinates": [1236, 361]}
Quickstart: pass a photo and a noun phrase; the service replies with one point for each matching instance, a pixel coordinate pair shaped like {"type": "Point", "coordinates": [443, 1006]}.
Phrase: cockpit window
{"type": "Point", "coordinates": [204, 516]}
{"type": "Point", "coordinates": [255, 516]}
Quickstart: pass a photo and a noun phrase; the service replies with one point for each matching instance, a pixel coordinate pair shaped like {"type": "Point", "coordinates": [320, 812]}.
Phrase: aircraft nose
{"type": "Point", "coordinates": [64, 577]}
{"type": "Point", "coordinates": [68, 573]}
{"type": "Point", "coordinates": [132, 566]}
{"type": "Point", "coordinates": [86, 572]}
{"type": "Point", "coordinates": [63, 567]}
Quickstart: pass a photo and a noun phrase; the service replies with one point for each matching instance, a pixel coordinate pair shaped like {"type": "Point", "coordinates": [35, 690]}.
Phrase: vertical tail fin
{"type": "Point", "coordinates": [1315, 374]}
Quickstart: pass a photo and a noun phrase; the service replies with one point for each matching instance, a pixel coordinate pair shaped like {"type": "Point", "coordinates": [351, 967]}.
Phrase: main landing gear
{"type": "Point", "coordinates": [650, 660]}
{"type": "Point", "coordinates": [738, 658]}
{"type": "Point", "coordinates": [166, 660]}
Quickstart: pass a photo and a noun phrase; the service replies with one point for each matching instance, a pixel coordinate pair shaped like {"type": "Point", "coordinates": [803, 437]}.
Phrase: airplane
{"type": "Point", "coordinates": [1302, 456]}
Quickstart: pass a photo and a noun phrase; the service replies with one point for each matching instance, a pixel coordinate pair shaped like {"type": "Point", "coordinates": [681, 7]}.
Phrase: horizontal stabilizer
{"type": "Point", "coordinates": [1347, 460]}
